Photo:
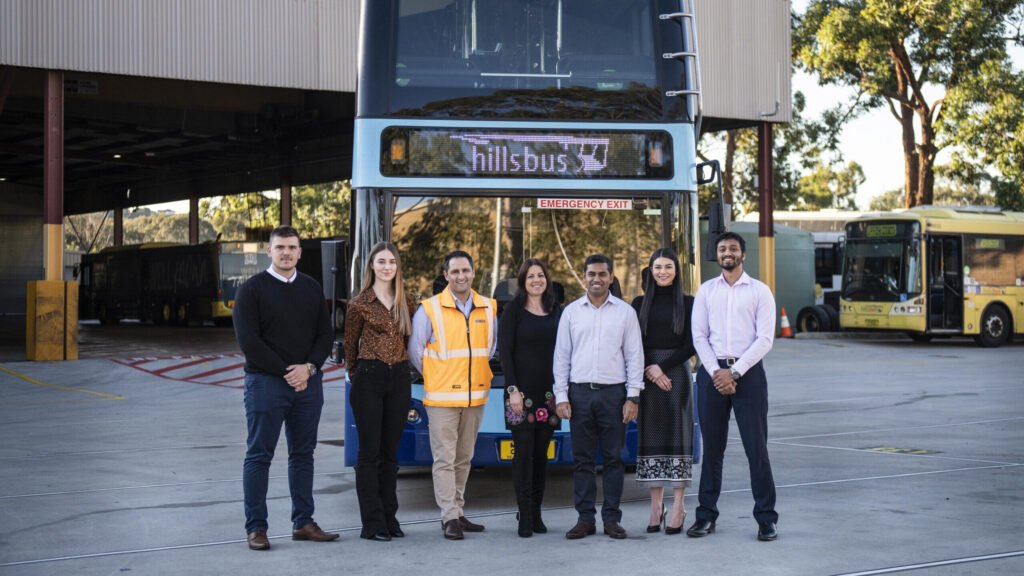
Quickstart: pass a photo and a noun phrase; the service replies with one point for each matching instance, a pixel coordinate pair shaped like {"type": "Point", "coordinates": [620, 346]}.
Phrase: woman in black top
{"type": "Point", "coordinates": [526, 341]}
{"type": "Point", "coordinates": [665, 422]}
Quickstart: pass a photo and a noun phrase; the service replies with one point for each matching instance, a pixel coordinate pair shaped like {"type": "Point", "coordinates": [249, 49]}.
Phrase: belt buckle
{"type": "Point", "coordinates": [594, 386]}
{"type": "Point", "coordinates": [729, 362]}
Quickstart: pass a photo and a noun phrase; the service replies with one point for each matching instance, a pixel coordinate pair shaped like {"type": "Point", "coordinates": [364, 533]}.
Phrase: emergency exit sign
{"type": "Point", "coordinates": [583, 204]}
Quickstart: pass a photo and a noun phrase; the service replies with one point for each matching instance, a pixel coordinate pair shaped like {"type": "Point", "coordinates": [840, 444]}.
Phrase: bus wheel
{"type": "Point", "coordinates": [181, 314]}
{"type": "Point", "coordinates": [166, 314]}
{"type": "Point", "coordinates": [833, 316]}
{"type": "Point", "coordinates": [813, 319]}
{"type": "Point", "coordinates": [995, 327]}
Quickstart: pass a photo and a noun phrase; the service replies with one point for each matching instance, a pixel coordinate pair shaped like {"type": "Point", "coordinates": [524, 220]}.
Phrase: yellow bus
{"type": "Point", "coordinates": [936, 271]}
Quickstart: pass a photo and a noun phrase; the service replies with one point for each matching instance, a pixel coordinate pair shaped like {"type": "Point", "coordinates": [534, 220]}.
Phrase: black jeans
{"type": "Point", "coordinates": [269, 403]}
{"type": "Point", "coordinates": [530, 465]}
{"type": "Point", "coordinates": [750, 403]}
{"type": "Point", "coordinates": [597, 419]}
{"type": "Point", "coordinates": [380, 402]}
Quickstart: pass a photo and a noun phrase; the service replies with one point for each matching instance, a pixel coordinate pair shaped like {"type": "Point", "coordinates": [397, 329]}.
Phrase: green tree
{"type": "Point", "coordinates": [322, 210]}
{"type": "Point", "coordinates": [896, 53]}
{"type": "Point", "coordinates": [828, 187]}
{"type": "Point", "coordinates": [230, 216]}
{"type": "Point", "coordinates": [950, 190]}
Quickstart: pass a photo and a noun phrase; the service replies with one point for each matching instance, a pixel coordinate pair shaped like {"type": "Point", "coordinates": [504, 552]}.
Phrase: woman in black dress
{"type": "Point", "coordinates": [665, 422]}
{"type": "Point", "coordinates": [526, 341]}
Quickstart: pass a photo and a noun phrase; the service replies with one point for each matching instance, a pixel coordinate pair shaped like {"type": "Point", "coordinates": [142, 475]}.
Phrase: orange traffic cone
{"type": "Point", "coordinates": [787, 330]}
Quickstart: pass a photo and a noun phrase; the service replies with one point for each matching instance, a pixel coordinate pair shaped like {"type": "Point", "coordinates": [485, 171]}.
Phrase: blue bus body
{"type": "Point", "coordinates": [523, 128]}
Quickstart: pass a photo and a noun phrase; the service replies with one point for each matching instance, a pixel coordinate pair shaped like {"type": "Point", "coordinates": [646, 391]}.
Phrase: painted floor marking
{"type": "Point", "coordinates": [903, 428]}
{"type": "Point", "coordinates": [59, 387]}
{"type": "Point", "coordinates": [223, 370]}
{"type": "Point", "coordinates": [491, 514]}
{"type": "Point", "coordinates": [935, 564]}
{"type": "Point", "coordinates": [887, 453]}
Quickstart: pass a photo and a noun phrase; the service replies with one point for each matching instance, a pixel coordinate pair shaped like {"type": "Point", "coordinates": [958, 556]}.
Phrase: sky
{"type": "Point", "coordinates": [872, 140]}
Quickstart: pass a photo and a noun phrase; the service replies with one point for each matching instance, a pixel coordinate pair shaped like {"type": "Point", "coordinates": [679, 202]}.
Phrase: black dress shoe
{"type": "Point", "coordinates": [396, 532]}
{"type": "Point", "coordinates": [581, 530]}
{"type": "Point", "coordinates": [613, 530]}
{"type": "Point", "coordinates": [452, 530]}
{"type": "Point", "coordinates": [377, 536]}
{"type": "Point", "coordinates": [468, 526]}
{"type": "Point", "coordinates": [766, 531]}
{"type": "Point", "coordinates": [701, 528]}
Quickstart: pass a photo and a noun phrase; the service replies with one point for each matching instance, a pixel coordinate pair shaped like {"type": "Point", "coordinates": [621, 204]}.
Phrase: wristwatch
{"type": "Point", "coordinates": [312, 369]}
{"type": "Point", "coordinates": [512, 390]}
{"type": "Point", "coordinates": [633, 399]}
{"type": "Point", "coordinates": [735, 374]}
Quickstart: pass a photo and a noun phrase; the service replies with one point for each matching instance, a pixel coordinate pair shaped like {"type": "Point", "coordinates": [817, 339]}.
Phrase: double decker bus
{"type": "Point", "coordinates": [513, 129]}
{"type": "Point", "coordinates": [936, 271]}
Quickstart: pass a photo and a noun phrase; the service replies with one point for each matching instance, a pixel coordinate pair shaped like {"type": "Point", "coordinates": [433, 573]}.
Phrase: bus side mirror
{"type": "Point", "coordinates": [718, 212]}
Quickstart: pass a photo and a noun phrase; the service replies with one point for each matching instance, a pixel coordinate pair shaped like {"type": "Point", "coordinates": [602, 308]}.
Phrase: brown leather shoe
{"type": "Point", "coordinates": [313, 532]}
{"type": "Point", "coordinates": [452, 530]}
{"type": "Point", "coordinates": [581, 530]}
{"type": "Point", "coordinates": [468, 526]}
{"type": "Point", "coordinates": [613, 530]}
{"type": "Point", "coordinates": [258, 540]}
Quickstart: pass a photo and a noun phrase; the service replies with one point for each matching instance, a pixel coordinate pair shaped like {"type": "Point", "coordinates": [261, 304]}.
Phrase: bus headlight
{"type": "Point", "coordinates": [413, 417]}
{"type": "Point", "coordinates": [904, 310]}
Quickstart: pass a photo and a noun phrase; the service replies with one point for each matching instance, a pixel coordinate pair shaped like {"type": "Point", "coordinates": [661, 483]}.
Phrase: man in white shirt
{"type": "Point", "coordinates": [599, 373]}
{"type": "Point", "coordinates": [733, 329]}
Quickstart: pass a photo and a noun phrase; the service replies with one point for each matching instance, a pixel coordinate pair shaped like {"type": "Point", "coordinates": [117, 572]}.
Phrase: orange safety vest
{"type": "Point", "coordinates": [456, 367]}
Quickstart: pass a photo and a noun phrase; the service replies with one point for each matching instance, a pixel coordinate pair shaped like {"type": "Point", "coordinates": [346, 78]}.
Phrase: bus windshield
{"type": "Point", "coordinates": [502, 232]}
{"type": "Point", "coordinates": [881, 270]}
{"type": "Point", "coordinates": [565, 59]}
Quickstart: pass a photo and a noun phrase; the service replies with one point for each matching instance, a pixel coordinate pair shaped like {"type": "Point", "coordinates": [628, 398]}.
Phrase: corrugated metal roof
{"type": "Point", "coordinates": [309, 44]}
{"type": "Point", "coordinates": [745, 59]}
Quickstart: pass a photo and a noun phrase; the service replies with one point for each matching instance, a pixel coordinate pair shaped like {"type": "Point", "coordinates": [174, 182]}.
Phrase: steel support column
{"type": "Point", "coordinates": [193, 220]}
{"type": "Point", "coordinates": [286, 205]}
{"type": "Point", "coordinates": [53, 175]}
{"type": "Point", "coordinates": [118, 226]}
{"type": "Point", "coordinates": [766, 205]}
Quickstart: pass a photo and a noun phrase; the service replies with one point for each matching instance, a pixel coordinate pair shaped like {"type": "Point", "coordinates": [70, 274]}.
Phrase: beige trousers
{"type": "Point", "coordinates": [452, 439]}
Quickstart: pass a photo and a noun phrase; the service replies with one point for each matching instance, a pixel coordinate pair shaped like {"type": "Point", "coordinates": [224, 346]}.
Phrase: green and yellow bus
{"type": "Point", "coordinates": [936, 271]}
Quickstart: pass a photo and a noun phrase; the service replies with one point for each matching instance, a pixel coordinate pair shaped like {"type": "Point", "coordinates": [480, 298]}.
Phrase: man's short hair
{"type": "Point", "coordinates": [457, 254]}
{"type": "Point", "coordinates": [284, 232]}
{"type": "Point", "coordinates": [732, 236]}
{"type": "Point", "coordinates": [598, 259]}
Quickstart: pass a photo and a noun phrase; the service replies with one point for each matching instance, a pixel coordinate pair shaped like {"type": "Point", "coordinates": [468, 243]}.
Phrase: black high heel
{"type": "Point", "coordinates": [657, 527]}
{"type": "Point", "coordinates": [670, 530]}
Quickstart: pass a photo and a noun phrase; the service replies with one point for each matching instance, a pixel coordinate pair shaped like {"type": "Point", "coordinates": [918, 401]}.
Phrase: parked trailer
{"type": "Point", "coordinates": [167, 283]}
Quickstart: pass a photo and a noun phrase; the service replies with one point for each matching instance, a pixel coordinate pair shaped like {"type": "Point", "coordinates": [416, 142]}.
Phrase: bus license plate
{"type": "Point", "coordinates": [871, 321]}
{"type": "Point", "coordinates": [506, 450]}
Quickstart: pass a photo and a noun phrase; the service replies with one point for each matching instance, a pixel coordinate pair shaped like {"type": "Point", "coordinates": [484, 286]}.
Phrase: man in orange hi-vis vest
{"type": "Point", "coordinates": [453, 338]}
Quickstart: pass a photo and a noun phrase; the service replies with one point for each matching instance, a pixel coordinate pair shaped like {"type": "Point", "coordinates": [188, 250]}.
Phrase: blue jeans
{"type": "Point", "coordinates": [269, 403]}
{"type": "Point", "coordinates": [597, 419]}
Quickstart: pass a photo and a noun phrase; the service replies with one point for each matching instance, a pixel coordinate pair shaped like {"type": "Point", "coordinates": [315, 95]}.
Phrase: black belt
{"type": "Point", "coordinates": [597, 386]}
{"type": "Point", "coordinates": [727, 362]}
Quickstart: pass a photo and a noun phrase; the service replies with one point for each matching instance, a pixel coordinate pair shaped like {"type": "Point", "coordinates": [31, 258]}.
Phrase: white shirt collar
{"type": "Point", "coordinates": [295, 274]}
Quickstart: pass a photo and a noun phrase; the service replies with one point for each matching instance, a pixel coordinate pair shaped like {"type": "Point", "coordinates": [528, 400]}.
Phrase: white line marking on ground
{"type": "Point", "coordinates": [490, 514]}
{"type": "Point", "coordinates": [950, 562]}
{"type": "Point", "coordinates": [865, 451]}
{"type": "Point", "coordinates": [903, 428]}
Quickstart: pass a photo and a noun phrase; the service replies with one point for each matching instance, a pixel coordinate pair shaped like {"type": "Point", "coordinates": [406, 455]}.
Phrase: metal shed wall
{"type": "Point", "coordinates": [745, 59]}
{"type": "Point", "coordinates": [307, 44]}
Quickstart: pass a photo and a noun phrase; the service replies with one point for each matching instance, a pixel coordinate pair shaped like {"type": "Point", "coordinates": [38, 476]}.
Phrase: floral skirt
{"type": "Point", "coordinates": [665, 427]}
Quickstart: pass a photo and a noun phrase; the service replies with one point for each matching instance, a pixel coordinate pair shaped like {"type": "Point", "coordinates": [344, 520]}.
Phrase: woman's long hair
{"type": "Point", "coordinates": [548, 300]}
{"type": "Point", "coordinates": [400, 309]}
{"type": "Point", "coordinates": [678, 300]}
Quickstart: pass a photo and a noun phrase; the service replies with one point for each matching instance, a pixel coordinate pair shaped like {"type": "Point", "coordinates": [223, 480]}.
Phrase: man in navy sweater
{"type": "Point", "coordinates": [284, 330]}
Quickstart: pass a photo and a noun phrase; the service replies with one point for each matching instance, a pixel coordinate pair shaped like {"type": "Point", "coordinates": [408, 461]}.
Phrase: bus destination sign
{"type": "Point", "coordinates": [476, 153]}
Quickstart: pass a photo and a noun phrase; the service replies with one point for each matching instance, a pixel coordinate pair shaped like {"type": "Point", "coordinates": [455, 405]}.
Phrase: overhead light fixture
{"type": "Point", "coordinates": [117, 156]}
{"type": "Point", "coordinates": [3, 179]}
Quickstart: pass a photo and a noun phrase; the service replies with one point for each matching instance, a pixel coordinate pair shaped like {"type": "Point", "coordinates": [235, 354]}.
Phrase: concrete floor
{"type": "Point", "coordinates": [888, 455]}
